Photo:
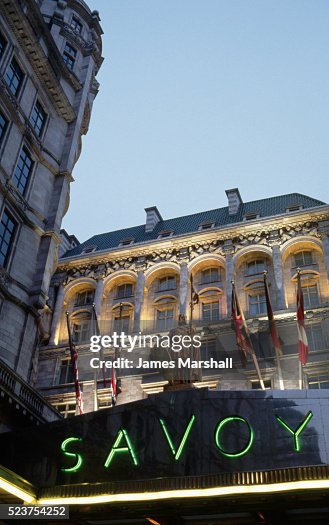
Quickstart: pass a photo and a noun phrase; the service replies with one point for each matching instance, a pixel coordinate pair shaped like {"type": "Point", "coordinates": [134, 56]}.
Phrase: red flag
{"type": "Point", "coordinates": [74, 362]}
{"type": "Point", "coordinates": [114, 385]}
{"type": "Point", "coordinates": [241, 329]}
{"type": "Point", "coordinates": [302, 338]}
{"type": "Point", "coordinates": [101, 353]}
{"type": "Point", "coordinates": [271, 321]}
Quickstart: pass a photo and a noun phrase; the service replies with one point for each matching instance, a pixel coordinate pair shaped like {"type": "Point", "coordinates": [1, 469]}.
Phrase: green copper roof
{"type": "Point", "coordinates": [190, 223]}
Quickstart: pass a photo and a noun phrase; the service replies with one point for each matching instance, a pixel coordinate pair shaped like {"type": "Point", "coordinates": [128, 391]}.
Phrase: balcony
{"type": "Point", "coordinates": [23, 406]}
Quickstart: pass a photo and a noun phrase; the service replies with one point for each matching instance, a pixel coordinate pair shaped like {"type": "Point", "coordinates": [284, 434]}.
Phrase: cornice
{"type": "Point", "coordinates": [268, 231]}
{"type": "Point", "coordinates": [22, 26]}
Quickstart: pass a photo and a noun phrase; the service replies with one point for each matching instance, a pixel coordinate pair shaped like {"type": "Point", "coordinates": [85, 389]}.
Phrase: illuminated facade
{"type": "Point", "coordinates": [50, 53]}
{"type": "Point", "coordinates": [139, 280]}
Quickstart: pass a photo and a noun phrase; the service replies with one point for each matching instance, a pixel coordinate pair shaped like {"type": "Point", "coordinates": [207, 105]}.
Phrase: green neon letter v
{"type": "Point", "coordinates": [296, 433]}
{"type": "Point", "coordinates": [177, 453]}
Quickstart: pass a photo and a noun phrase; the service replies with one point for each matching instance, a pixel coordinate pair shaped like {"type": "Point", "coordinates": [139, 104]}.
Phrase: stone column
{"type": "Point", "coordinates": [279, 277]}
{"type": "Point", "coordinates": [183, 288]}
{"type": "Point", "coordinates": [139, 299]}
{"type": "Point", "coordinates": [99, 295]}
{"type": "Point", "coordinates": [55, 324]}
{"type": "Point", "coordinates": [228, 249]}
{"type": "Point", "coordinates": [324, 230]}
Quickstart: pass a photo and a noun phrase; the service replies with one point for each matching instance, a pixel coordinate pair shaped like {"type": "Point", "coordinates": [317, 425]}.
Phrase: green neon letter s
{"type": "Point", "coordinates": [219, 429]}
{"type": "Point", "coordinates": [296, 433]}
{"type": "Point", "coordinates": [74, 455]}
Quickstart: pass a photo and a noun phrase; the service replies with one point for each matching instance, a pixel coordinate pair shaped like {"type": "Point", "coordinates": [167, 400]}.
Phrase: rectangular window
{"type": "Point", "coordinates": [211, 275]}
{"type": "Point", "coordinates": [256, 267]}
{"type": "Point", "coordinates": [303, 259]}
{"type": "Point", "coordinates": [167, 283]}
{"type": "Point", "coordinates": [3, 44]}
{"type": "Point", "coordinates": [315, 337]}
{"type": "Point", "coordinates": [255, 384]}
{"type": "Point", "coordinates": [38, 118]}
{"type": "Point", "coordinates": [76, 25]}
{"type": "Point", "coordinates": [84, 298]}
{"type": "Point", "coordinates": [81, 332]}
{"type": "Point", "coordinates": [8, 227]}
{"type": "Point", "coordinates": [23, 170]}
{"type": "Point", "coordinates": [3, 126]}
{"type": "Point", "coordinates": [14, 77]}
{"type": "Point", "coordinates": [125, 290]}
{"type": "Point", "coordinates": [165, 319]}
{"type": "Point", "coordinates": [69, 56]}
{"type": "Point", "coordinates": [319, 381]}
{"type": "Point", "coordinates": [257, 304]}
{"type": "Point", "coordinates": [66, 372]}
{"type": "Point", "coordinates": [311, 296]}
{"type": "Point", "coordinates": [210, 311]}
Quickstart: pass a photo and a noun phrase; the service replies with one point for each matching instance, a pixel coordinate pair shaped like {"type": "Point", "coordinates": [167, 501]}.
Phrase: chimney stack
{"type": "Point", "coordinates": [153, 217]}
{"type": "Point", "coordinates": [234, 201]}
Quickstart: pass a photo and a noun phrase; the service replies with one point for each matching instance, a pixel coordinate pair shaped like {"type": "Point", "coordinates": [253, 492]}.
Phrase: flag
{"type": "Point", "coordinates": [271, 321]}
{"type": "Point", "coordinates": [241, 329]}
{"type": "Point", "coordinates": [194, 294]}
{"type": "Point", "coordinates": [74, 362]}
{"type": "Point", "coordinates": [302, 338]}
{"type": "Point", "coordinates": [114, 386]}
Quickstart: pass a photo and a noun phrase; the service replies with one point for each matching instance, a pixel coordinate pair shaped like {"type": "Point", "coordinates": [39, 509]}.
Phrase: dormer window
{"type": "Point", "coordinates": [207, 225]}
{"type": "Point", "coordinates": [294, 207]}
{"type": "Point", "coordinates": [165, 233]}
{"type": "Point", "coordinates": [127, 241]}
{"type": "Point", "coordinates": [251, 215]}
{"type": "Point", "coordinates": [88, 249]}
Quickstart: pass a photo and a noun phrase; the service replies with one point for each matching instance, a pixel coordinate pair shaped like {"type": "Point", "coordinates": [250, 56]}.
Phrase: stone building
{"type": "Point", "coordinates": [50, 53]}
{"type": "Point", "coordinates": [139, 280]}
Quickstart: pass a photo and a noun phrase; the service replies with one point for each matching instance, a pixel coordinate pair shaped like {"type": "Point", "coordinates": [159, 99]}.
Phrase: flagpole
{"type": "Point", "coordinates": [273, 331]}
{"type": "Point", "coordinates": [302, 337]}
{"type": "Point", "coordinates": [243, 341]}
{"type": "Point", "coordinates": [74, 362]}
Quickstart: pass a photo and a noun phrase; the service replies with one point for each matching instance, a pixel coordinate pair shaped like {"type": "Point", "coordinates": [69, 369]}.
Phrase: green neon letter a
{"type": "Point", "coordinates": [117, 448]}
{"type": "Point", "coordinates": [177, 453]}
{"type": "Point", "coordinates": [296, 433]}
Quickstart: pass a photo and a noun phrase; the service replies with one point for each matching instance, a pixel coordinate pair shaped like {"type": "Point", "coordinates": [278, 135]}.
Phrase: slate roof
{"type": "Point", "coordinates": [190, 223]}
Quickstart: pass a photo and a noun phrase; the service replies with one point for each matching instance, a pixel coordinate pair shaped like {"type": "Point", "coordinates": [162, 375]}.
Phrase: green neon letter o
{"type": "Point", "coordinates": [220, 427]}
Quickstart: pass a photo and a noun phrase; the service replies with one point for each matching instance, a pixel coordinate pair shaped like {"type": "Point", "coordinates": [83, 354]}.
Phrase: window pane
{"type": "Point", "coordinates": [69, 56]}
{"type": "Point", "coordinates": [210, 311]}
{"type": "Point", "coordinates": [165, 319]}
{"type": "Point", "coordinates": [76, 25]}
{"type": "Point", "coordinates": [124, 290]}
{"type": "Point", "coordinates": [257, 304]}
{"type": "Point", "coordinates": [304, 258]}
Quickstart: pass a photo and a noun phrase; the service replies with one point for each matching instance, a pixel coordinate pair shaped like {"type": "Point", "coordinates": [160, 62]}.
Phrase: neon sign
{"type": "Point", "coordinates": [123, 445]}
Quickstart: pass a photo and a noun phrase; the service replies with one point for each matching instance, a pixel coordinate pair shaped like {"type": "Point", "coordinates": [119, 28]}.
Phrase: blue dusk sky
{"type": "Point", "coordinates": [198, 96]}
